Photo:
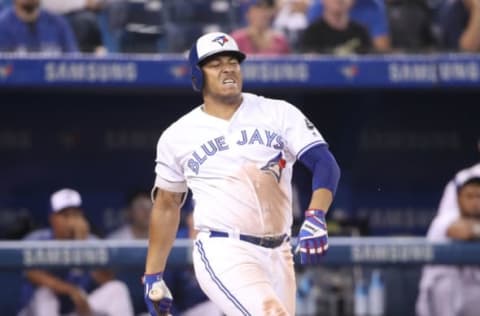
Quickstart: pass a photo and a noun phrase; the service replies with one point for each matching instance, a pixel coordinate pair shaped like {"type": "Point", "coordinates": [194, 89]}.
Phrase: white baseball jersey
{"type": "Point", "coordinates": [448, 210]}
{"type": "Point", "coordinates": [447, 299]}
{"type": "Point", "coordinates": [239, 170]}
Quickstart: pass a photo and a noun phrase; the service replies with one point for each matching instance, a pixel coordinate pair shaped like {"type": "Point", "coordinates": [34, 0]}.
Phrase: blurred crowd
{"type": "Point", "coordinates": [266, 27]}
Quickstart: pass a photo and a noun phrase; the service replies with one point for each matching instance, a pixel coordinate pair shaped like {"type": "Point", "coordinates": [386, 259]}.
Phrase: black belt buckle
{"type": "Point", "coordinates": [271, 241]}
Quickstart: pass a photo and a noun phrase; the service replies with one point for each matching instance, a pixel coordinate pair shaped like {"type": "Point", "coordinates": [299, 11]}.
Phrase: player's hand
{"type": "Point", "coordinates": [79, 298]}
{"type": "Point", "coordinates": [313, 237]}
{"type": "Point", "coordinates": [79, 227]}
{"type": "Point", "coordinates": [157, 295]}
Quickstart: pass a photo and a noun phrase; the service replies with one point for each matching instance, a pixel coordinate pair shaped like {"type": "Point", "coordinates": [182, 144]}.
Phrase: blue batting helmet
{"type": "Point", "coordinates": [206, 46]}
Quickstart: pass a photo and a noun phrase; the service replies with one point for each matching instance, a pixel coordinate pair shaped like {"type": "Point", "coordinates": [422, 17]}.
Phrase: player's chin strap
{"type": "Point", "coordinates": [158, 297]}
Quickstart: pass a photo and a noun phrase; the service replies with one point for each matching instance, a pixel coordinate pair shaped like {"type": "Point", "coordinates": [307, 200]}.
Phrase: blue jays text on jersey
{"type": "Point", "coordinates": [213, 146]}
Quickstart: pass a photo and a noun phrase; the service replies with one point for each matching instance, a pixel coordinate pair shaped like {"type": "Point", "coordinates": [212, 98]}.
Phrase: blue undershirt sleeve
{"type": "Point", "coordinates": [324, 167]}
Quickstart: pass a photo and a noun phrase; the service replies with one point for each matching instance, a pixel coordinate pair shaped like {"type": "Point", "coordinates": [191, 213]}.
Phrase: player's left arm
{"type": "Point", "coordinates": [313, 236]}
{"type": "Point", "coordinates": [325, 175]}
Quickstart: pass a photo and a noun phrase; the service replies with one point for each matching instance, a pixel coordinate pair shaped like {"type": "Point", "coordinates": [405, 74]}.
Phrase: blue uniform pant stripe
{"type": "Point", "coordinates": [217, 281]}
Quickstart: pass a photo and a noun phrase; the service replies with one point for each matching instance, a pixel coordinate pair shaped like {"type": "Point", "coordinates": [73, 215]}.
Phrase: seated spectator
{"type": "Point", "coordinates": [460, 25]}
{"type": "Point", "coordinates": [139, 26]}
{"type": "Point", "coordinates": [370, 13]}
{"type": "Point", "coordinates": [82, 16]}
{"type": "Point", "coordinates": [335, 33]}
{"type": "Point", "coordinates": [454, 290]}
{"type": "Point", "coordinates": [138, 210]}
{"type": "Point", "coordinates": [25, 28]}
{"type": "Point", "coordinates": [411, 26]}
{"type": "Point", "coordinates": [187, 20]}
{"type": "Point", "coordinates": [291, 19]}
{"type": "Point", "coordinates": [258, 37]}
{"type": "Point", "coordinates": [58, 291]}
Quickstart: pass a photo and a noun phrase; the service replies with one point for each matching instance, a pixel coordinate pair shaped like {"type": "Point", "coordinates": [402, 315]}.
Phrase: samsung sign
{"type": "Point", "coordinates": [64, 256]}
{"type": "Point", "coordinates": [432, 72]}
{"type": "Point", "coordinates": [276, 71]}
{"type": "Point", "coordinates": [90, 71]}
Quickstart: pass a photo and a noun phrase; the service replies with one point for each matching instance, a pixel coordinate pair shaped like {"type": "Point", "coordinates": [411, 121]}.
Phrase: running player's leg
{"type": "Point", "coordinates": [237, 276]}
{"type": "Point", "coordinates": [284, 276]}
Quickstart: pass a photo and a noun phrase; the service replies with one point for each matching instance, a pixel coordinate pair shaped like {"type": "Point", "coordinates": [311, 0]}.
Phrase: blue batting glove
{"type": "Point", "coordinates": [313, 237]}
{"type": "Point", "coordinates": [157, 295]}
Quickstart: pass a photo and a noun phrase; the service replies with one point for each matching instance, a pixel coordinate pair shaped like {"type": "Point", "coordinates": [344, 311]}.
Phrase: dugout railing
{"type": "Point", "coordinates": [349, 258]}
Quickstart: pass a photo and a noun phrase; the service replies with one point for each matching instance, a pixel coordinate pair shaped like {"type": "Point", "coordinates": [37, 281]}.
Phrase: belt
{"type": "Point", "coordinates": [267, 241]}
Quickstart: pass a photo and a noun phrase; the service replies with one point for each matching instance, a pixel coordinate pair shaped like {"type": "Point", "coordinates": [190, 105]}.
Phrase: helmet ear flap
{"type": "Point", "coordinates": [197, 78]}
{"type": "Point", "coordinates": [197, 74]}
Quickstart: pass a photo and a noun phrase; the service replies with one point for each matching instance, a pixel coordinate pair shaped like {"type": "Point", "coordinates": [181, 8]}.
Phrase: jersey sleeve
{"type": "Point", "coordinates": [447, 213]}
{"type": "Point", "coordinates": [300, 133]}
{"type": "Point", "coordinates": [169, 174]}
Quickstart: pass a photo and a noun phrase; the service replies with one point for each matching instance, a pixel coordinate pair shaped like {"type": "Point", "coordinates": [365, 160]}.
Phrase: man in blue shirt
{"type": "Point", "coordinates": [25, 28]}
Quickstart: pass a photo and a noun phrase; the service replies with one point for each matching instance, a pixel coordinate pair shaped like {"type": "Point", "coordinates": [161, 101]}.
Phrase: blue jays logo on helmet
{"type": "Point", "coordinates": [222, 39]}
{"type": "Point", "coordinates": [209, 45]}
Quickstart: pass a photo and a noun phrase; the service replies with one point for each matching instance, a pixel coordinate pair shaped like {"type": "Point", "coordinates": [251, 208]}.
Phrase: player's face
{"type": "Point", "coordinates": [61, 222]}
{"type": "Point", "coordinates": [223, 76]}
{"type": "Point", "coordinates": [469, 200]}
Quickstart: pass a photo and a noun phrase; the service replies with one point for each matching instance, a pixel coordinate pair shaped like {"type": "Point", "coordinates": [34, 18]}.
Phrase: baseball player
{"type": "Point", "coordinates": [236, 152]}
{"type": "Point", "coordinates": [448, 210]}
{"type": "Point", "coordinates": [450, 290]}
{"type": "Point", "coordinates": [450, 224]}
{"type": "Point", "coordinates": [70, 290]}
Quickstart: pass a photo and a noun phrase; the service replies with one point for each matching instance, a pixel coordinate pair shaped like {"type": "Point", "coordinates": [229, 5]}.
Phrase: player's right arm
{"type": "Point", "coordinates": [60, 287]}
{"type": "Point", "coordinates": [164, 221]}
{"type": "Point", "coordinates": [169, 190]}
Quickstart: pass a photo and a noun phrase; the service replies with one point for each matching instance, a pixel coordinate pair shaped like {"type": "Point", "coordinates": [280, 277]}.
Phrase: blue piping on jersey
{"type": "Point", "coordinates": [217, 281]}
{"type": "Point", "coordinates": [307, 147]}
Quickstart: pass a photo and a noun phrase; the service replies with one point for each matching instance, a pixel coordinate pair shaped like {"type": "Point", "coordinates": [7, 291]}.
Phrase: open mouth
{"type": "Point", "coordinates": [229, 82]}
